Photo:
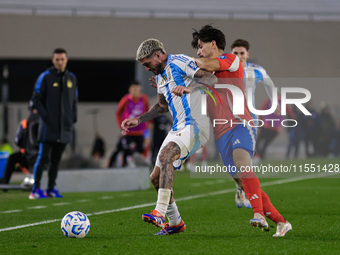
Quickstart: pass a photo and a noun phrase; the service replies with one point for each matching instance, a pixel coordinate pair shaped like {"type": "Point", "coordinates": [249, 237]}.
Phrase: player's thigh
{"type": "Point", "coordinates": [225, 149]}
{"type": "Point", "coordinates": [189, 139]}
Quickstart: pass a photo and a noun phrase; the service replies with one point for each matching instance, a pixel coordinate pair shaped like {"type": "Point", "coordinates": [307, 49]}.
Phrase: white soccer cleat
{"type": "Point", "coordinates": [282, 229]}
{"type": "Point", "coordinates": [259, 221]}
{"type": "Point", "coordinates": [241, 199]}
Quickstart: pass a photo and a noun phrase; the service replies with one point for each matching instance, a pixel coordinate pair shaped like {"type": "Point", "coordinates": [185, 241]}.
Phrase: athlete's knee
{"type": "Point", "coordinates": [241, 159]}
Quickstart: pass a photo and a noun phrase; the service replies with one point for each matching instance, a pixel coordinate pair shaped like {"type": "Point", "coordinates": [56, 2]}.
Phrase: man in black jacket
{"type": "Point", "coordinates": [55, 97]}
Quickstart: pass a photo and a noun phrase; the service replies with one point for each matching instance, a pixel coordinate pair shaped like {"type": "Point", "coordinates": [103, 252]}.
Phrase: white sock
{"type": "Point", "coordinates": [173, 214]}
{"type": "Point", "coordinates": [163, 200]}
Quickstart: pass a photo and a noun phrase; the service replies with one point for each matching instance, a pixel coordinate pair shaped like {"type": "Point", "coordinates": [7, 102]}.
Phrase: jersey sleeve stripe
{"type": "Point", "coordinates": [172, 107]}
{"type": "Point", "coordinates": [235, 65]}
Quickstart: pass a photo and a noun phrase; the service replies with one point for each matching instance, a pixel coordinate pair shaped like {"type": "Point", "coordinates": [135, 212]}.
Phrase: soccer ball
{"type": "Point", "coordinates": [75, 224]}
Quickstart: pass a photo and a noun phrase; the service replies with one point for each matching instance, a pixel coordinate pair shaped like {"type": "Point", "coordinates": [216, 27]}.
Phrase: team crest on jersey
{"type": "Point", "coordinates": [222, 57]}
{"type": "Point", "coordinates": [55, 84]}
{"type": "Point", "coordinates": [193, 65]}
{"type": "Point", "coordinates": [69, 84]}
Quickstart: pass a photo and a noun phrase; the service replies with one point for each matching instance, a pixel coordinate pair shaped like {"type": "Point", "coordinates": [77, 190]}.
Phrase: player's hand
{"type": "Point", "coordinates": [153, 82]}
{"type": "Point", "coordinates": [180, 91]}
{"type": "Point", "coordinates": [129, 123]}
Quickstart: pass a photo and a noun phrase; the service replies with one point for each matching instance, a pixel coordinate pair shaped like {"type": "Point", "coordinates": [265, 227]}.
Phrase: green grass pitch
{"type": "Point", "coordinates": [214, 224]}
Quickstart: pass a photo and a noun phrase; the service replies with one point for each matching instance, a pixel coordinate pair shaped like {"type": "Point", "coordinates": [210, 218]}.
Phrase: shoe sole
{"type": "Point", "coordinates": [257, 224]}
{"type": "Point", "coordinates": [172, 233]}
{"type": "Point", "coordinates": [152, 222]}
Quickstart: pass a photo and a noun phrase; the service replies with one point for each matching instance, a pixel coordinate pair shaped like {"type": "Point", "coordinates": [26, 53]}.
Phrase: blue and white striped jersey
{"type": "Point", "coordinates": [255, 74]}
{"type": "Point", "coordinates": [179, 71]}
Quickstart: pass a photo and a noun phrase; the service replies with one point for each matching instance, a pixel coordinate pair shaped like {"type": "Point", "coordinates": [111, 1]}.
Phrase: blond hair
{"type": "Point", "coordinates": [148, 47]}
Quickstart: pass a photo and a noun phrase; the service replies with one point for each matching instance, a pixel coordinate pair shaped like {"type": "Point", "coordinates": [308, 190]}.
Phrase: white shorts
{"type": "Point", "coordinates": [189, 139]}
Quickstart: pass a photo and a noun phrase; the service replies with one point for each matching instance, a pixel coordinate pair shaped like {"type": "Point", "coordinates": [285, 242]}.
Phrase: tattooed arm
{"type": "Point", "coordinates": [205, 77]}
{"type": "Point", "coordinates": [158, 109]}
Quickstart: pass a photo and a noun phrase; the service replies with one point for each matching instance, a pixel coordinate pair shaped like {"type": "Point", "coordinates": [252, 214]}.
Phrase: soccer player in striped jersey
{"type": "Point", "coordinates": [254, 75]}
{"type": "Point", "coordinates": [236, 144]}
{"type": "Point", "coordinates": [190, 130]}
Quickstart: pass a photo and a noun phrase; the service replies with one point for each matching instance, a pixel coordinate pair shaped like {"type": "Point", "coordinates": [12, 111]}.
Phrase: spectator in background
{"type": "Point", "coordinates": [295, 134]}
{"type": "Point", "coordinates": [270, 129]}
{"type": "Point", "coordinates": [335, 144]}
{"type": "Point", "coordinates": [326, 126]}
{"type": "Point", "coordinates": [133, 104]}
{"type": "Point", "coordinates": [26, 139]}
{"type": "Point", "coordinates": [311, 130]}
{"type": "Point", "coordinates": [55, 97]}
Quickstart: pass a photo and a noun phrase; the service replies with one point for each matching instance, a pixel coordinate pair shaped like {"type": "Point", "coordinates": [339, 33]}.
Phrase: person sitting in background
{"type": "Point", "coordinates": [26, 140]}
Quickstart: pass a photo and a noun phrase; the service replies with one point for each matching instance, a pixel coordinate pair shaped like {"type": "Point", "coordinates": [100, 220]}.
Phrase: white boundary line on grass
{"type": "Point", "coordinates": [282, 181]}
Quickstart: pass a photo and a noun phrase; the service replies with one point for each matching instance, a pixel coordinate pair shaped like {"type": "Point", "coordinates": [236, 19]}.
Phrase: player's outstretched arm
{"type": "Point", "coordinates": [208, 64]}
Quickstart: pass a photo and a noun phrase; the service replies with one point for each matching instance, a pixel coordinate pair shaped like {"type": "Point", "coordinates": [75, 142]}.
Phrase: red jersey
{"type": "Point", "coordinates": [130, 107]}
{"type": "Point", "coordinates": [231, 72]}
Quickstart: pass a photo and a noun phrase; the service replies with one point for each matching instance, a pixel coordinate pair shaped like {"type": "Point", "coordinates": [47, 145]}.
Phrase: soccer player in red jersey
{"type": "Point", "coordinates": [235, 138]}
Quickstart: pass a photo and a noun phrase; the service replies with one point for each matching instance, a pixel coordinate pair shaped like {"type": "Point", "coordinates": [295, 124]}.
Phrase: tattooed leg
{"type": "Point", "coordinates": [154, 178]}
{"type": "Point", "coordinates": [167, 156]}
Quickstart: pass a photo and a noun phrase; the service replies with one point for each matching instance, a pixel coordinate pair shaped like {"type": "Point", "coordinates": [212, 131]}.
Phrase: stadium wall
{"type": "Point", "coordinates": [285, 48]}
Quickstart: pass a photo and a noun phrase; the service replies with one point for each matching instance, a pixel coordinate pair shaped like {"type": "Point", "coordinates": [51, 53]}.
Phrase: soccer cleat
{"type": "Point", "coordinates": [169, 230]}
{"type": "Point", "coordinates": [241, 199]}
{"type": "Point", "coordinates": [259, 221]}
{"type": "Point", "coordinates": [53, 193]}
{"type": "Point", "coordinates": [282, 229]}
{"type": "Point", "coordinates": [154, 218]}
{"type": "Point", "coordinates": [37, 194]}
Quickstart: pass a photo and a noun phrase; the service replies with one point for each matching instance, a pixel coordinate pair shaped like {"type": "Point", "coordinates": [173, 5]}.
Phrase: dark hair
{"type": "Point", "coordinates": [59, 51]}
{"type": "Point", "coordinates": [135, 82]}
{"type": "Point", "coordinates": [206, 34]}
{"type": "Point", "coordinates": [240, 43]}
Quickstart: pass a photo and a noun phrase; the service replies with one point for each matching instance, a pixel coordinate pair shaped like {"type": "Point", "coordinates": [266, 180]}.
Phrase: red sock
{"type": "Point", "coordinates": [252, 188]}
{"type": "Point", "coordinates": [269, 210]}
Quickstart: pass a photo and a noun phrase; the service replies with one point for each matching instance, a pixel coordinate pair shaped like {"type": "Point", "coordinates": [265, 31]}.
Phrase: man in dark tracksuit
{"type": "Point", "coordinates": [55, 97]}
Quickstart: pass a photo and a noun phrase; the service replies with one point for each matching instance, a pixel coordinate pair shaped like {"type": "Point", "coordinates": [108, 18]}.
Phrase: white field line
{"type": "Point", "coordinates": [295, 179]}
